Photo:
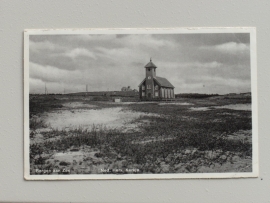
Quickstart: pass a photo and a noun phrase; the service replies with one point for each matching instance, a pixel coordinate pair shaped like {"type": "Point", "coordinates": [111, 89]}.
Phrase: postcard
{"type": "Point", "coordinates": [164, 103]}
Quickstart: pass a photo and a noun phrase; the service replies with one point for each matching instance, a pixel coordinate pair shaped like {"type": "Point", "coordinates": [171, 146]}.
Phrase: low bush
{"type": "Point", "coordinates": [36, 123]}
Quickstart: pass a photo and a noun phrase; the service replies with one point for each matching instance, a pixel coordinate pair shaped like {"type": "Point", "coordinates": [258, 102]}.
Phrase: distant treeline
{"type": "Point", "coordinates": [195, 95]}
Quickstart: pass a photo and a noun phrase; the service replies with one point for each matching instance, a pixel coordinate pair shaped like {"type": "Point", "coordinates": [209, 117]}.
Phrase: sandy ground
{"type": "Point", "coordinates": [179, 103]}
{"type": "Point", "coordinates": [115, 117]}
{"type": "Point", "coordinates": [243, 107]}
{"type": "Point", "coordinates": [159, 103]}
{"type": "Point", "coordinates": [78, 105]}
{"type": "Point", "coordinates": [199, 108]}
{"type": "Point", "coordinates": [127, 103]}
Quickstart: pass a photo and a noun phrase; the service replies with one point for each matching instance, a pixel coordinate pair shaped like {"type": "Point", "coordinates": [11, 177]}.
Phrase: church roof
{"type": "Point", "coordinates": [163, 82]}
{"type": "Point", "coordinates": [150, 65]}
{"type": "Point", "coordinates": [141, 82]}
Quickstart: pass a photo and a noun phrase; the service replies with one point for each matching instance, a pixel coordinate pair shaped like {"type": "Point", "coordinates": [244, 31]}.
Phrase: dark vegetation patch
{"type": "Point", "coordinates": [44, 103]}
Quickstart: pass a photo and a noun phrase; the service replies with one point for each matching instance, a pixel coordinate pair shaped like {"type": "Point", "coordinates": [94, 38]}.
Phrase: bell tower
{"type": "Point", "coordinates": [150, 74]}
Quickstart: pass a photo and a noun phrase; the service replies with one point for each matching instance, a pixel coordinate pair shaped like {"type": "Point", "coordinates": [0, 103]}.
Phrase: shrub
{"type": "Point", "coordinates": [36, 123]}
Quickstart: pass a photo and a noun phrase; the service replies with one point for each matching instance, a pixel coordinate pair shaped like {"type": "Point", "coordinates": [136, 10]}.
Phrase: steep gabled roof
{"type": "Point", "coordinates": [141, 82]}
{"type": "Point", "coordinates": [150, 65]}
{"type": "Point", "coordinates": [163, 82]}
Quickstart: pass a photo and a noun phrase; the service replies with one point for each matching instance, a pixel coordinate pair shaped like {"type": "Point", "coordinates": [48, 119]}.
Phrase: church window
{"type": "Point", "coordinates": [143, 94]}
{"type": "Point", "coordinates": [156, 87]}
{"type": "Point", "coordinates": [169, 93]}
{"type": "Point", "coordinates": [148, 87]}
{"type": "Point", "coordinates": [156, 94]}
{"type": "Point", "coordinates": [143, 87]}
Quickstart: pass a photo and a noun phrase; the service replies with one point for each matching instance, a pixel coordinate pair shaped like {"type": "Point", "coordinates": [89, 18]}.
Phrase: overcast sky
{"type": "Point", "coordinates": [193, 63]}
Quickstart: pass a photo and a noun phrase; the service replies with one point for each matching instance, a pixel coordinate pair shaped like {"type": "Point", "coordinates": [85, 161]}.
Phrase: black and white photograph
{"type": "Point", "coordinates": [140, 103]}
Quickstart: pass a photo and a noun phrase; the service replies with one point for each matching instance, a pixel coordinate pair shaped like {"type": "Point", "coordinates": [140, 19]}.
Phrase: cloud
{"type": "Point", "coordinates": [37, 86]}
{"type": "Point", "coordinates": [146, 40]}
{"type": "Point", "coordinates": [210, 85]}
{"type": "Point", "coordinates": [123, 55]}
{"type": "Point", "coordinates": [38, 46]}
{"type": "Point", "coordinates": [206, 77]}
{"type": "Point", "coordinates": [52, 74]}
{"type": "Point", "coordinates": [232, 47]}
{"type": "Point", "coordinates": [175, 65]}
{"type": "Point", "coordinates": [229, 47]}
{"type": "Point", "coordinates": [100, 79]}
{"type": "Point", "coordinates": [92, 38]}
{"type": "Point", "coordinates": [80, 52]}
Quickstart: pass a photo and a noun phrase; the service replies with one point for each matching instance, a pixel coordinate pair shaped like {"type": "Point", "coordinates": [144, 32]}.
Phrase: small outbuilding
{"type": "Point", "coordinates": [117, 100]}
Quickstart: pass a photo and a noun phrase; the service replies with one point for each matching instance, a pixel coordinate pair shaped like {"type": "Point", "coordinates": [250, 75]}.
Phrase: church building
{"type": "Point", "coordinates": [153, 87]}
